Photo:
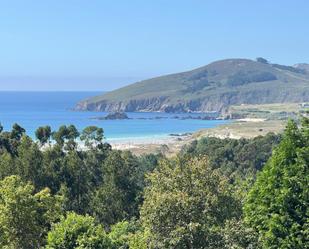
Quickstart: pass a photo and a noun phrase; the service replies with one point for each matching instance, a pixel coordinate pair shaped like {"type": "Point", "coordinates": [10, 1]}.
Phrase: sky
{"type": "Point", "coordinates": [98, 45]}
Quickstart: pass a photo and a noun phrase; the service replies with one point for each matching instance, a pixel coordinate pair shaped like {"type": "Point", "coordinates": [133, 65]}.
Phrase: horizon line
{"type": "Point", "coordinates": [54, 91]}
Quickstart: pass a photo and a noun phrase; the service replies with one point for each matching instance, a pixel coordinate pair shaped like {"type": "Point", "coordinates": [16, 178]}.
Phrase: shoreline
{"type": "Point", "coordinates": [170, 145]}
{"type": "Point", "coordinates": [159, 144]}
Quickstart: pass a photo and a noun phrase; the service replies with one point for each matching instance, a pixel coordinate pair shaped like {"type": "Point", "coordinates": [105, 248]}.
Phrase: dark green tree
{"type": "Point", "coordinates": [7, 165]}
{"type": "Point", "coordinates": [60, 135]}
{"type": "Point", "coordinates": [66, 135]}
{"type": "Point", "coordinates": [76, 177]}
{"type": "Point", "coordinates": [262, 60]}
{"type": "Point", "coordinates": [72, 134]}
{"type": "Point", "coordinates": [115, 199]}
{"type": "Point", "coordinates": [92, 136]}
{"type": "Point", "coordinates": [236, 158]}
{"type": "Point", "coordinates": [17, 131]}
{"type": "Point", "coordinates": [277, 205]}
{"type": "Point", "coordinates": [53, 168]}
{"type": "Point", "coordinates": [9, 141]}
{"type": "Point", "coordinates": [43, 134]}
{"type": "Point", "coordinates": [29, 164]}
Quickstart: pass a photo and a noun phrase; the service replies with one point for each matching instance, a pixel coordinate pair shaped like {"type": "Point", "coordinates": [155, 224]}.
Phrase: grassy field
{"type": "Point", "coordinates": [242, 129]}
{"type": "Point", "coordinates": [276, 107]}
{"type": "Point", "coordinates": [276, 111]}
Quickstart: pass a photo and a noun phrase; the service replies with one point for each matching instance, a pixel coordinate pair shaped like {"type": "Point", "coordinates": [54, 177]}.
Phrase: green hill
{"type": "Point", "coordinates": [210, 88]}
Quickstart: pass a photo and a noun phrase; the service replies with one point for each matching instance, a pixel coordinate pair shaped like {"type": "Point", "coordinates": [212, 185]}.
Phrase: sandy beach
{"type": "Point", "coordinates": [170, 145]}
{"type": "Point", "coordinates": [166, 145]}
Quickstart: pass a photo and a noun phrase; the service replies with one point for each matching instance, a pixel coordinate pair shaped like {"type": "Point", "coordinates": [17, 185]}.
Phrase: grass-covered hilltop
{"type": "Point", "coordinates": [210, 88]}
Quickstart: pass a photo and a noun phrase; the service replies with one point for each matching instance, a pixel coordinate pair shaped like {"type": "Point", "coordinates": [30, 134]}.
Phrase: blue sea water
{"type": "Point", "coordinates": [34, 109]}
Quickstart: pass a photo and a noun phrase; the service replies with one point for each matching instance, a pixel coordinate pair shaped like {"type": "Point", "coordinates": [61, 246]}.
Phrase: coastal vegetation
{"type": "Point", "coordinates": [215, 193]}
{"type": "Point", "coordinates": [214, 87]}
{"type": "Point", "coordinates": [274, 111]}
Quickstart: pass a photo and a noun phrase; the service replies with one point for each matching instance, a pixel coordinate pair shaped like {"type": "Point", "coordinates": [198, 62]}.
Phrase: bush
{"type": "Point", "coordinates": [243, 78]}
{"type": "Point", "coordinates": [77, 232]}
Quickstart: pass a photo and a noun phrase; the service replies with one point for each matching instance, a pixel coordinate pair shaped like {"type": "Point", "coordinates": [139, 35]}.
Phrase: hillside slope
{"type": "Point", "coordinates": [304, 66]}
{"type": "Point", "coordinates": [210, 88]}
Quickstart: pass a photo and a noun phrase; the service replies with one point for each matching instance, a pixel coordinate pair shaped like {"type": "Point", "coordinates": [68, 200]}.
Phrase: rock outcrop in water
{"type": "Point", "coordinates": [114, 116]}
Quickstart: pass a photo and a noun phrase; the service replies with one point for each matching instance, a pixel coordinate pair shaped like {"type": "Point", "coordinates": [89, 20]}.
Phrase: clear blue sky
{"type": "Point", "coordinates": [101, 45]}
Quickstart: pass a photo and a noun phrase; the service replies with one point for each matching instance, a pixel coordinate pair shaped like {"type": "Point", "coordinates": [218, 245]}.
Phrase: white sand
{"type": "Point", "coordinates": [131, 143]}
{"type": "Point", "coordinates": [256, 120]}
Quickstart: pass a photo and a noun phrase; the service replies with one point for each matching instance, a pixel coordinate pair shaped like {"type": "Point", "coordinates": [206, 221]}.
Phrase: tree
{"type": "Point", "coordinates": [9, 141]}
{"type": "Point", "coordinates": [60, 135]}
{"type": "Point", "coordinates": [66, 135]}
{"type": "Point", "coordinates": [139, 240]}
{"type": "Point", "coordinates": [29, 162]}
{"type": "Point", "coordinates": [72, 134]}
{"type": "Point", "coordinates": [115, 199]}
{"type": "Point", "coordinates": [186, 205]}
{"type": "Point", "coordinates": [77, 232]}
{"type": "Point", "coordinates": [43, 134]}
{"type": "Point", "coordinates": [277, 205]}
{"type": "Point", "coordinates": [25, 217]}
{"type": "Point", "coordinates": [93, 136]}
{"type": "Point", "coordinates": [237, 235]}
{"type": "Point", "coordinates": [121, 232]}
{"type": "Point", "coordinates": [17, 132]}
{"type": "Point", "coordinates": [262, 60]}
{"type": "Point", "coordinates": [236, 158]}
{"type": "Point", "coordinates": [77, 179]}
{"type": "Point", "coordinates": [7, 165]}
{"type": "Point", "coordinates": [53, 167]}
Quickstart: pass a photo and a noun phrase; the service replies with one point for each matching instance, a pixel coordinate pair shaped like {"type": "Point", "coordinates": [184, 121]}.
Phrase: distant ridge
{"type": "Point", "coordinates": [304, 66]}
{"type": "Point", "coordinates": [210, 88]}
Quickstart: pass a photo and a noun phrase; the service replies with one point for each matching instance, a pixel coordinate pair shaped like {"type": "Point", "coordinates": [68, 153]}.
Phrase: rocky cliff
{"type": "Point", "coordinates": [210, 88]}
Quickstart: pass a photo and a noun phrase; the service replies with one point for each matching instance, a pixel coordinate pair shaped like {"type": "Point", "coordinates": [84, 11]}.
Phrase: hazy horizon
{"type": "Point", "coordinates": [101, 46]}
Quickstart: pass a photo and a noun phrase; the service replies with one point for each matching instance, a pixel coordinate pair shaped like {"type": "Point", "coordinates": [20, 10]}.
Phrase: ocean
{"type": "Point", "coordinates": [34, 109]}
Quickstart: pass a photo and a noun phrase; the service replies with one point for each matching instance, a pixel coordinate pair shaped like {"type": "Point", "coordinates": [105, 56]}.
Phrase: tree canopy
{"type": "Point", "coordinates": [186, 204]}
{"type": "Point", "coordinates": [77, 232]}
{"type": "Point", "coordinates": [215, 193]}
{"type": "Point", "coordinates": [277, 205]}
{"type": "Point", "coordinates": [25, 216]}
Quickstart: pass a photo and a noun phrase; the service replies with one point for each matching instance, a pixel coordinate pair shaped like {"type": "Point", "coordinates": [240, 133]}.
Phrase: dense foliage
{"type": "Point", "coordinates": [243, 78]}
{"type": "Point", "coordinates": [70, 189]}
{"type": "Point", "coordinates": [277, 205]}
{"type": "Point", "coordinates": [25, 216]}
{"type": "Point", "coordinates": [186, 205]}
{"type": "Point", "coordinates": [77, 231]}
{"type": "Point", "coordinates": [235, 158]}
